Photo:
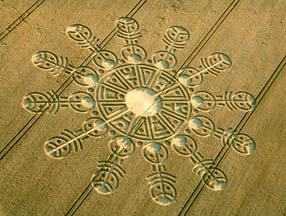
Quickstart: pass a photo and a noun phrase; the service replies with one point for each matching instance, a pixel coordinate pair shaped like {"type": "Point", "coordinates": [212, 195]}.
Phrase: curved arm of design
{"type": "Point", "coordinates": [56, 65]}
{"type": "Point", "coordinates": [212, 65]}
{"type": "Point", "coordinates": [162, 187]}
{"type": "Point", "coordinates": [241, 143]}
{"type": "Point", "coordinates": [37, 102]}
{"type": "Point", "coordinates": [68, 141]}
{"type": "Point", "coordinates": [106, 179]}
{"type": "Point", "coordinates": [205, 101]}
{"type": "Point", "coordinates": [211, 176]}
{"type": "Point", "coordinates": [104, 59]}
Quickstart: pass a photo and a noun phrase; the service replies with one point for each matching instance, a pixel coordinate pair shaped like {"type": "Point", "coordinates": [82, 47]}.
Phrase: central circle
{"type": "Point", "coordinates": [143, 101]}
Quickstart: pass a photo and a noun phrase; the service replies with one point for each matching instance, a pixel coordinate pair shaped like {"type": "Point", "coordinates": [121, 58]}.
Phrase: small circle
{"type": "Point", "coordinates": [167, 142]}
{"type": "Point", "coordinates": [179, 140]}
{"type": "Point", "coordinates": [108, 64]}
{"type": "Point", "coordinates": [88, 102]}
{"type": "Point", "coordinates": [184, 145]}
{"type": "Point", "coordinates": [153, 147]}
{"type": "Point", "coordinates": [90, 90]}
{"type": "Point", "coordinates": [155, 153]}
{"type": "Point", "coordinates": [122, 146]}
{"type": "Point", "coordinates": [157, 87]}
{"type": "Point", "coordinates": [187, 131]}
{"type": "Point", "coordinates": [162, 64]}
{"type": "Point", "coordinates": [143, 101]}
{"type": "Point", "coordinates": [27, 102]}
{"type": "Point", "coordinates": [91, 79]}
{"type": "Point", "coordinates": [197, 101]}
{"type": "Point", "coordinates": [195, 123]}
{"type": "Point", "coordinates": [134, 58]}
{"type": "Point", "coordinates": [95, 127]}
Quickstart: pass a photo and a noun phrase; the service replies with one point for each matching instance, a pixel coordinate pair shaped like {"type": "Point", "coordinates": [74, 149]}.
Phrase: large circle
{"type": "Point", "coordinates": [143, 101]}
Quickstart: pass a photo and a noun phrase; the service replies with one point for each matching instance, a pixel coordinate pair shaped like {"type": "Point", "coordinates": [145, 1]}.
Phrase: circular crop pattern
{"type": "Point", "coordinates": [142, 101]}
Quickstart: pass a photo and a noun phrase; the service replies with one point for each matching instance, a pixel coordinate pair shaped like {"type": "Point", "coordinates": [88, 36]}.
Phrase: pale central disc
{"type": "Point", "coordinates": [143, 102]}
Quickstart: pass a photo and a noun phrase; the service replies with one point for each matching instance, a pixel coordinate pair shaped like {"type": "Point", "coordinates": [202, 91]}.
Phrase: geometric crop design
{"type": "Point", "coordinates": [145, 104]}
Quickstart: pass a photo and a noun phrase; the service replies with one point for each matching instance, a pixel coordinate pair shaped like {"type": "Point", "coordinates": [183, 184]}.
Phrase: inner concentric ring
{"type": "Point", "coordinates": [139, 101]}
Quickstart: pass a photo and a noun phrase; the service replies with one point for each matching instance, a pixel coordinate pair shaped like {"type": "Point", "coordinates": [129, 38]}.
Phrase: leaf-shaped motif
{"type": "Point", "coordinates": [162, 187]}
{"type": "Point", "coordinates": [244, 144]}
{"type": "Point", "coordinates": [38, 102]}
{"type": "Point", "coordinates": [83, 36]}
{"type": "Point", "coordinates": [49, 61]}
{"type": "Point", "coordinates": [215, 63]}
{"type": "Point", "coordinates": [62, 145]}
{"type": "Point", "coordinates": [53, 149]}
{"type": "Point", "coordinates": [127, 28]}
{"type": "Point", "coordinates": [176, 37]}
{"type": "Point", "coordinates": [106, 179]}
{"type": "Point", "coordinates": [241, 100]}
{"type": "Point", "coordinates": [212, 177]}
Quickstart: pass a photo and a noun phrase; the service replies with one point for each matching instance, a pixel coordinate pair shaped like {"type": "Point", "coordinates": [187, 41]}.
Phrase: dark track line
{"type": "Point", "coordinates": [210, 33]}
{"type": "Point", "coordinates": [20, 19]}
